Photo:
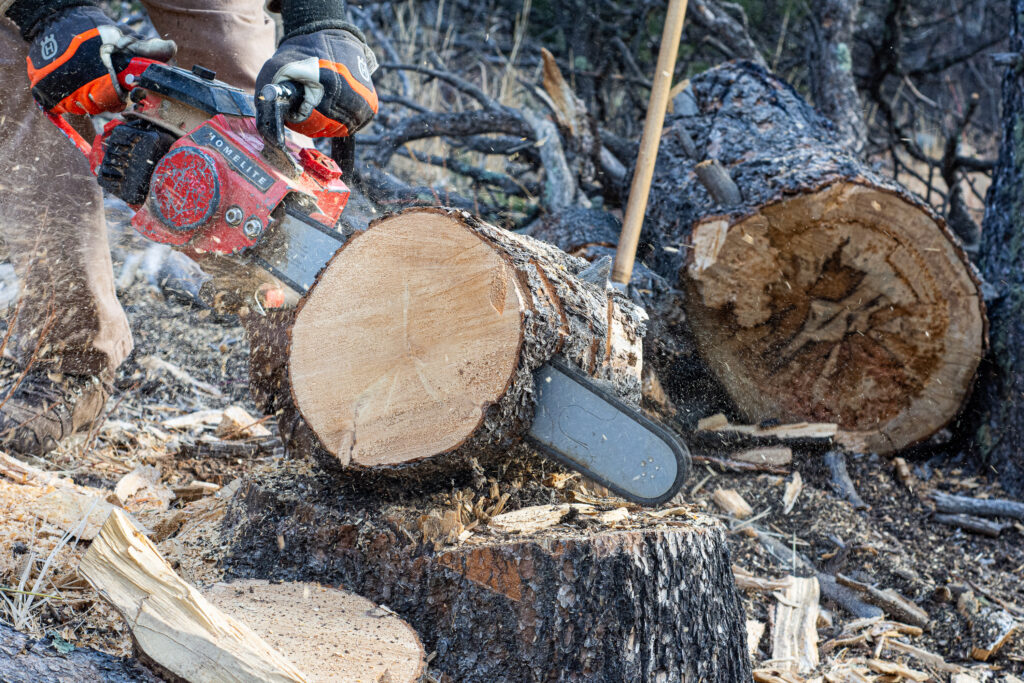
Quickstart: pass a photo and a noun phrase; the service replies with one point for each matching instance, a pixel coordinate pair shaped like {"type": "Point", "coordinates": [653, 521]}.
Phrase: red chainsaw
{"type": "Point", "coordinates": [188, 155]}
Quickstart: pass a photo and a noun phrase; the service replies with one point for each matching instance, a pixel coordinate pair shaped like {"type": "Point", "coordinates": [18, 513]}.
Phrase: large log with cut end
{"type": "Point", "coordinates": [580, 601]}
{"type": "Point", "coordinates": [421, 336]}
{"type": "Point", "coordinates": [831, 294]}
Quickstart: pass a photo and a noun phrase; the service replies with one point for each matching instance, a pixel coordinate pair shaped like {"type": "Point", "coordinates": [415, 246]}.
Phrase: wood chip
{"type": "Point", "coordinates": [732, 503]}
{"type": "Point", "coordinates": [927, 658]}
{"type": "Point", "coordinates": [793, 489]}
{"type": "Point", "coordinates": [755, 631]}
{"type": "Point", "coordinates": [748, 581]}
{"type": "Point", "coordinates": [536, 518]}
{"type": "Point", "coordinates": [237, 423]}
{"type": "Point", "coordinates": [991, 629]}
{"type": "Point", "coordinates": [768, 455]}
{"type": "Point", "coordinates": [190, 421]}
{"type": "Point", "coordinates": [141, 489]}
{"type": "Point", "coordinates": [159, 366]}
{"type": "Point", "coordinates": [893, 668]}
{"type": "Point", "coordinates": [798, 430]}
{"type": "Point", "coordinates": [794, 627]}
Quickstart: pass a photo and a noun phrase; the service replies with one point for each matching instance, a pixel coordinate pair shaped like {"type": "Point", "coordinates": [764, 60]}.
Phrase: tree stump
{"type": "Point", "coordinates": [831, 294]}
{"type": "Point", "coordinates": [421, 336]}
{"type": "Point", "coordinates": [636, 597]}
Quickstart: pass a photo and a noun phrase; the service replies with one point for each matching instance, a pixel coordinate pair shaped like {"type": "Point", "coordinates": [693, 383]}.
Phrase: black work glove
{"type": "Point", "coordinates": [77, 56]}
{"type": "Point", "coordinates": [333, 66]}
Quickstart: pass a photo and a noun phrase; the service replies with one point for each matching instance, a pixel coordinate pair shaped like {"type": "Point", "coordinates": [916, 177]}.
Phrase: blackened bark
{"type": "Point", "coordinates": [1001, 433]}
{"type": "Point", "coordinates": [25, 660]}
{"type": "Point", "coordinates": [830, 66]}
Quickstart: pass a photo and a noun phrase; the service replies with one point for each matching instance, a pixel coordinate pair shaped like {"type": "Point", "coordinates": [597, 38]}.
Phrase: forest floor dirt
{"type": "Point", "coordinates": [954, 576]}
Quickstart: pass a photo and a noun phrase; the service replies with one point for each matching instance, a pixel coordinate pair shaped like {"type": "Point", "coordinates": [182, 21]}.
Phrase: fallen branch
{"type": "Point", "coordinates": [981, 507]}
{"type": "Point", "coordinates": [841, 482]}
{"type": "Point", "coordinates": [889, 600]}
{"type": "Point", "coordinates": [976, 525]}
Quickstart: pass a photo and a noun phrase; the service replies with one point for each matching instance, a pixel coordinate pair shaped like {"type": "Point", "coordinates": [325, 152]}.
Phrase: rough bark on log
{"type": "Point", "coordinates": [25, 660]}
{"type": "Point", "coordinates": [433, 345]}
{"type": "Point", "coordinates": [670, 352]}
{"type": "Point", "coordinates": [1001, 408]}
{"type": "Point", "coordinates": [831, 294]}
{"type": "Point", "coordinates": [654, 600]}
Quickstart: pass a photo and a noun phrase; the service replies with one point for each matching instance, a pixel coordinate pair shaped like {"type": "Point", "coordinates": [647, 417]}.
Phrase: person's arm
{"type": "Point", "coordinates": [76, 54]}
{"type": "Point", "coordinates": [329, 57]}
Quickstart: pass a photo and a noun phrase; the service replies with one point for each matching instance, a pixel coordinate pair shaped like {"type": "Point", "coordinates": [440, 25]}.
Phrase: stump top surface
{"type": "Point", "coordinates": [410, 333]}
{"type": "Point", "coordinates": [849, 305]}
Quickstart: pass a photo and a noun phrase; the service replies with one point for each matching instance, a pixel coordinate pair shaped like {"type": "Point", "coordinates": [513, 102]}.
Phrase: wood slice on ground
{"type": "Point", "coordinates": [422, 334]}
{"type": "Point", "coordinates": [330, 634]}
{"type": "Point", "coordinates": [830, 294]}
{"type": "Point", "coordinates": [640, 599]}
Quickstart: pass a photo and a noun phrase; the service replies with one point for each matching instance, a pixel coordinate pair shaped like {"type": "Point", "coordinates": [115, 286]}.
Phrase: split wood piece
{"type": "Point", "coordinates": [739, 465]}
{"type": "Point", "coordinates": [776, 676]}
{"type": "Point", "coordinates": [889, 600]}
{"type": "Point", "coordinates": [657, 599]}
{"type": "Point", "coordinates": [830, 589]}
{"type": "Point", "coordinates": [433, 343]}
{"type": "Point", "coordinates": [841, 482]}
{"type": "Point", "coordinates": [831, 293]}
{"type": "Point", "coordinates": [981, 507]}
{"type": "Point", "coordinates": [976, 525]}
{"type": "Point", "coordinates": [172, 624]}
{"type": "Point", "coordinates": [331, 634]}
{"type": "Point", "coordinates": [732, 503]}
{"type": "Point", "coordinates": [927, 658]}
{"type": "Point", "coordinates": [795, 626]}
{"type": "Point", "coordinates": [26, 660]}
{"type": "Point", "coordinates": [801, 430]}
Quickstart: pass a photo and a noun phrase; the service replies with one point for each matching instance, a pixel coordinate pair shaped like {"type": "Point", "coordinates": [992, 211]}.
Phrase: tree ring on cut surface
{"type": "Point", "coordinates": [410, 333]}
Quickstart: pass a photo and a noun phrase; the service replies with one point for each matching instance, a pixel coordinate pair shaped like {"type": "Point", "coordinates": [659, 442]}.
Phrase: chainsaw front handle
{"type": "Point", "coordinates": [273, 104]}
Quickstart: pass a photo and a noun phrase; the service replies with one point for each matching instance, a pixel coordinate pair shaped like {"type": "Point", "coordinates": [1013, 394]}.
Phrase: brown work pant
{"type": "Point", "coordinates": [51, 209]}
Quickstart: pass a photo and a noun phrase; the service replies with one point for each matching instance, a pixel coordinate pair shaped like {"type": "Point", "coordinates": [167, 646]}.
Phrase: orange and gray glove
{"type": "Point", "coordinates": [334, 67]}
{"type": "Point", "coordinates": [76, 57]}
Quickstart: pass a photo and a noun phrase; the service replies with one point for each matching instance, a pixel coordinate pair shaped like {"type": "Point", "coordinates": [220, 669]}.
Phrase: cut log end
{"type": "Point", "coordinates": [440, 308]}
{"type": "Point", "coordinates": [848, 304]}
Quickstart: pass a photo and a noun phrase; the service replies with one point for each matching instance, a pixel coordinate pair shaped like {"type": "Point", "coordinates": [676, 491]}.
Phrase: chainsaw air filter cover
{"type": "Point", "coordinates": [186, 189]}
{"type": "Point", "coordinates": [128, 153]}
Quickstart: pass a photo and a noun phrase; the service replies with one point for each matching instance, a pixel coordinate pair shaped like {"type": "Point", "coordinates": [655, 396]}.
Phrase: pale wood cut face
{"type": "Point", "coordinates": [847, 305]}
{"type": "Point", "coordinates": [410, 333]}
{"type": "Point", "coordinates": [330, 635]}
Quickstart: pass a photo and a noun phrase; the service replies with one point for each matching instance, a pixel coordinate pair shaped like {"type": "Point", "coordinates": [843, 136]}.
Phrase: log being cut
{"type": "Point", "coordinates": [831, 293]}
{"type": "Point", "coordinates": [423, 336]}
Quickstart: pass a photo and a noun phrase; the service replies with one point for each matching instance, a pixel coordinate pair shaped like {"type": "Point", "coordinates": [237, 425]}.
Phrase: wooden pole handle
{"type": "Point", "coordinates": [639, 191]}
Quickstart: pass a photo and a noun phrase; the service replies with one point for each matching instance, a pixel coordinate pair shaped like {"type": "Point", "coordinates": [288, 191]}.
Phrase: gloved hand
{"type": "Point", "coordinates": [333, 66]}
{"type": "Point", "coordinates": [76, 56]}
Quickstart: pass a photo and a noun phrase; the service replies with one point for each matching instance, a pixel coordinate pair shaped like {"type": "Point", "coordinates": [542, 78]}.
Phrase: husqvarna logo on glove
{"type": "Point", "coordinates": [49, 47]}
